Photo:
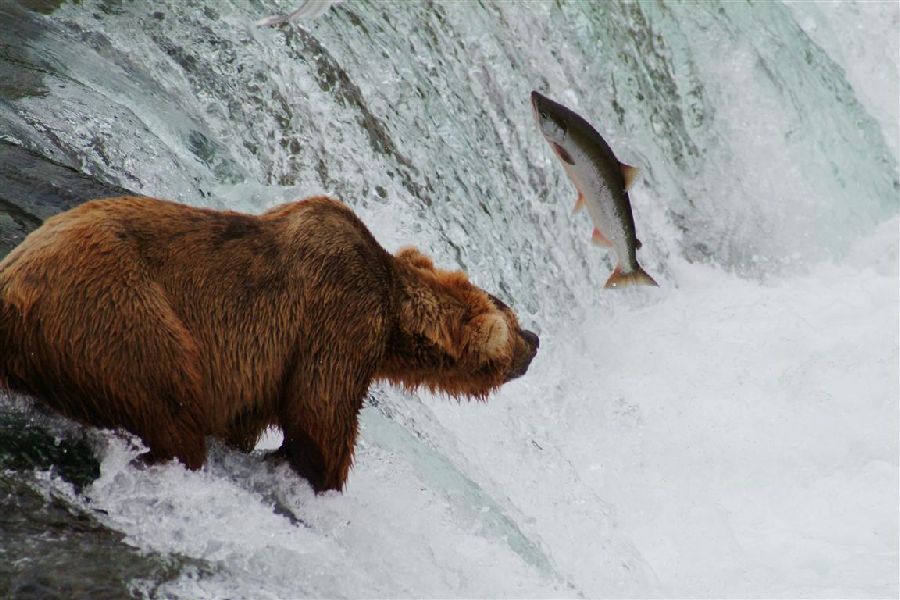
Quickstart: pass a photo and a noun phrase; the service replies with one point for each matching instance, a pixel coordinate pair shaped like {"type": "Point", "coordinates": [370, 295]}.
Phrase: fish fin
{"type": "Point", "coordinates": [630, 174]}
{"type": "Point", "coordinates": [579, 204]}
{"type": "Point", "coordinates": [618, 279]}
{"type": "Point", "coordinates": [637, 244]}
{"type": "Point", "coordinates": [599, 239]}
{"type": "Point", "coordinates": [562, 154]}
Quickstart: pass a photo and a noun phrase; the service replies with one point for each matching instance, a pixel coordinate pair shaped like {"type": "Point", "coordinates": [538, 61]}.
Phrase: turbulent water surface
{"type": "Point", "coordinates": [733, 433]}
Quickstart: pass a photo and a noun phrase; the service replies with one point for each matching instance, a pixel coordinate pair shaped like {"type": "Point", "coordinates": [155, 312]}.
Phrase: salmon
{"type": "Point", "coordinates": [602, 182]}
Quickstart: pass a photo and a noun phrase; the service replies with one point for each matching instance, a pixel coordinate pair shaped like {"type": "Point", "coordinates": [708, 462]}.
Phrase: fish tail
{"type": "Point", "coordinates": [620, 279]}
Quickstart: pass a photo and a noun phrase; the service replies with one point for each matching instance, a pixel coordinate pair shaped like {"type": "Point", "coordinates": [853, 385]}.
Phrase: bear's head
{"type": "Point", "coordinates": [452, 336]}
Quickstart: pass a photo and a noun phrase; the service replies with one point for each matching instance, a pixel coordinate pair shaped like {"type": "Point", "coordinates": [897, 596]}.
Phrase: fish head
{"type": "Point", "coordinates": [557, 124]}
{"type": "Point", "coordinates": [550, 117]}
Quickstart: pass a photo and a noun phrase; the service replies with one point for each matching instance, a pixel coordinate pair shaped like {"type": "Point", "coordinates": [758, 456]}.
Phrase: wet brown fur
{"type": "Point", "coordinates": [176, 323]}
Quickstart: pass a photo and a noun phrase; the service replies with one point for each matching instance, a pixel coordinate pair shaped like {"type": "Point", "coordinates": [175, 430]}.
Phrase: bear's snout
{"type": "Point", "coordinates": [532, 339]}
{"type": "Point", "coordinates": [525, 351]}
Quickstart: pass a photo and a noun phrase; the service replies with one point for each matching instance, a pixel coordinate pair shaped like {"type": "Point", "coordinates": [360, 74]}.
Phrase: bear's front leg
{"type": "Point", "coordinates": [307, 458]}
{"type": "Point", "coordinates": [320, 428]}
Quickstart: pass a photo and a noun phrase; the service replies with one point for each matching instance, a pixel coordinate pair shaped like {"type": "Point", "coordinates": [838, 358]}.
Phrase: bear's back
{"type": "Point", "coordinates": [196, 254]}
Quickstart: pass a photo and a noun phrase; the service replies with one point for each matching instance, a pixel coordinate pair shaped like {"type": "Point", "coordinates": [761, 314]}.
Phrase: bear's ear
{"type": "Point", "coordinates": [414, 258]}
{"type": "Point", "coordinates": [487, 336]}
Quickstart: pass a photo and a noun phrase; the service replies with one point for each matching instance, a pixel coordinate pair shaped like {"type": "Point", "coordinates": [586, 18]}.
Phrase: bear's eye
{"type": "Point", "coordinates": [498, 302]}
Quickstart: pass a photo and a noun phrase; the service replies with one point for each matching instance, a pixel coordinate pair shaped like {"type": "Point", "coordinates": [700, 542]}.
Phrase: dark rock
{"type": "Point", "coordinates": [33, 187]}
{"type": "Point", "coordinates": [26, 445]}
{"type": "Point", "coordinates": [52, 549]}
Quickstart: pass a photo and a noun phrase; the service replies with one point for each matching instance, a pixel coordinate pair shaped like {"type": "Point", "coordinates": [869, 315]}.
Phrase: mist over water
{"type": "Point", "coordinates": [731, 434]}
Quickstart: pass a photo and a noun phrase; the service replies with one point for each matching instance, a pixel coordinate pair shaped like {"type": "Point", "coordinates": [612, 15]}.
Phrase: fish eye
{"type": "Point", "coordinates": [544, 114]}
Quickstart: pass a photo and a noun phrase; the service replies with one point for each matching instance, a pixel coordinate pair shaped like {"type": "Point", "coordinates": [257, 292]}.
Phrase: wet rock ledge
{"type": "Point", "coordinates": [34, 187]}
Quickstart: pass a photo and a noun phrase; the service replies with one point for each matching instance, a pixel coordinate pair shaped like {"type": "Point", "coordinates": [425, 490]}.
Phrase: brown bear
{"type": "Point", "coordinates": [176, 322]}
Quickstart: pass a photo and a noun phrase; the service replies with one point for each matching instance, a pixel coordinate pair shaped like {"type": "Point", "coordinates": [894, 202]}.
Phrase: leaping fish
{"type": "Point", "coordinates": [602, 183]}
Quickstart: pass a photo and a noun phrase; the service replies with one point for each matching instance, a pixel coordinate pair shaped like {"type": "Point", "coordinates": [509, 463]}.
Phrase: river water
{"type": "Point", "coordinates": [733, 433]}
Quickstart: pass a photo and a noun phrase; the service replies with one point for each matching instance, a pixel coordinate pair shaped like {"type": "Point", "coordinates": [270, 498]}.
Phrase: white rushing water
{"type": "Point", "coordinates": [733, 433]}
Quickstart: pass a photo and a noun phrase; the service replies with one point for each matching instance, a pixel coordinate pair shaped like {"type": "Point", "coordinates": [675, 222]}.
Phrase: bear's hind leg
{"type": "Point", "coordinates": [153, 377]}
